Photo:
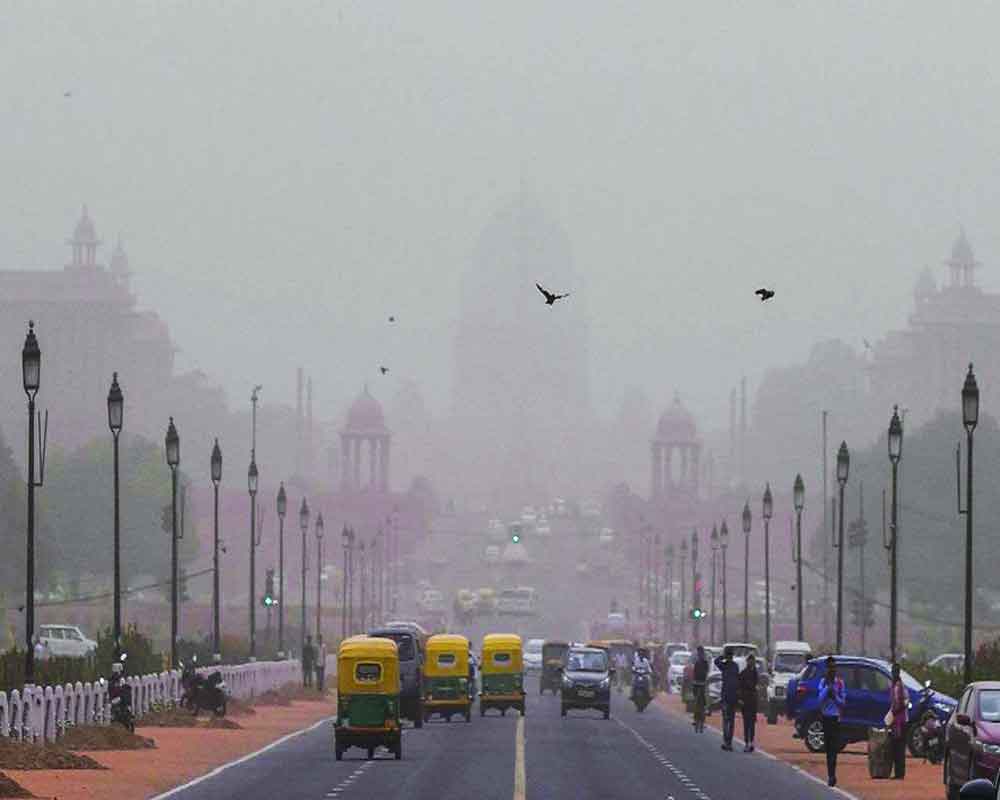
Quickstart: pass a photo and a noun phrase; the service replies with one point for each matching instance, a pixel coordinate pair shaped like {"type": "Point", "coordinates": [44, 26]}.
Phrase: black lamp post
{"type": "Point", "coordinates": [746, 571]}
{"type": "Point", "coordinates": [653, 562]}
{"type": "Point", "coordinates": [684, 552]}
{"type": "Point", "coordinates": [31, 369]}
{"type": "Point", "coordinates": [116, 413]}
{"type": "Point", "coordinates": [216, 466]}
{"type": "Point", "coordinates": [303, 527]}
{"type": "Point", "coordinates": [843, 468]}
{"type": "Point", "coordinates": [766, 512]}
{"type": "Point", "coordinates": [282, 504]}
{"type": "Point", "coordinates": [345, 541]}
{"type": "Point", "coordinates": [695, 589]}
{"type": "Point", "coordinates": [724, 544]}
{"type": "Point", "coordinates": [799, 500]}
{"type": "Point", "coordinates": [668, 612]}
{"type": "Point", "coordinates": [895, 453]}
{"type": "Point", "coordinates": [173, 448]}
{"type": "Point", "coordinates": [714, 541]}
{"type": "Point", "coordinates": [252, 477]}
{"type": "Point", "coordinates": [970, 418]}
{"type": "Point", "coordinates": [319, 575]}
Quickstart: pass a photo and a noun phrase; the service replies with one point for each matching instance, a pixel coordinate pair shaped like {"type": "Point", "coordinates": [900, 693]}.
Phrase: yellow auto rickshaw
{"type": "Point", "coordinates": [367, 696]}
{"type": "Point", "coordinates": [446, 677]}
{"type": "Point", "coordinates": [501, 673]}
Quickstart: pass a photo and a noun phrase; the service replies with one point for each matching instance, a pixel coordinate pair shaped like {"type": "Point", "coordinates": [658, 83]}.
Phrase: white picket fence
{"type": "Point", "coordinates": [44, 712]}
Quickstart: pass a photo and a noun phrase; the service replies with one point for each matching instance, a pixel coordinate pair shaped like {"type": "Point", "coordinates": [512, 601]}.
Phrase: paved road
{"type": "Point", "coordinates": [652, 756]}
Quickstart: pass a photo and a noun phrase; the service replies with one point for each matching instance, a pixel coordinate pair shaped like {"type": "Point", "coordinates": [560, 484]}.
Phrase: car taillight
{"type": "Point", "coordinates": [801, 690]}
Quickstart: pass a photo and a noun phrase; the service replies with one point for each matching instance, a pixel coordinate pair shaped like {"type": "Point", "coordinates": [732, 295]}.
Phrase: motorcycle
{"type": "Point", "coordinates": [120, 696]}
{"type": "Point", "coordinates": [641, 690]}
{"type": "Point", "coordinates": [932, 739]}
{"type": "Point", "coordinates": [201, 691]}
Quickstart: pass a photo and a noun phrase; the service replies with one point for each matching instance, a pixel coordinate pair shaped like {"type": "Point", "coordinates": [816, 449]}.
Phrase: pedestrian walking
{"type": "Point", "coordinates": [320, 663]}
{"type": "Point", "coordinates": [897, 708]}
{"type": "Point", "coordinates": [699, 679]}
{"type": "Point", "coordinates": [730, 695]}
{"type": "Point", "coordinates": [748, 700]}
{"type": "Point", "coordinates": [832, 697]}
{"type": "Point", "coordinates": [308, 662]}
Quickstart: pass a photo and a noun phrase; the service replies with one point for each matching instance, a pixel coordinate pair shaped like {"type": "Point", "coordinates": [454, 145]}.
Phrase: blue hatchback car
{"type": "Point", "coordinates": [867, 682]}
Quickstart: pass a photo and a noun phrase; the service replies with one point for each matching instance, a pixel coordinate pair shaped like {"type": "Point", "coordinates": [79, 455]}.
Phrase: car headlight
{"type": "Point", "coordinates": [606, 683]}
{"type": "Point", "coordinates": [567, 683]}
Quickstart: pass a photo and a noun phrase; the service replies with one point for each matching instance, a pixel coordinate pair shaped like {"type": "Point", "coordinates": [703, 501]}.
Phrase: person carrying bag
{"type": "Point", "coordinates": [895, 720]}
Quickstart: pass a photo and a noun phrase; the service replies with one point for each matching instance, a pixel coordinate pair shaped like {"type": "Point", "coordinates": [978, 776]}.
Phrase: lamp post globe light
{"type": "Point", "coordinates": [216, 471]}
{"type": "Point", "coordinates": [895, 454]}
{"type": "Point", "coordinates": [252, 478]}
{"type": "Point", "coordinates": [116, 413]}
{"type": "Point", "coordinates": [799, 501]}
{"type": "Point", "coordinates": [173, 449]}
{"type": "Point", "coordinates": [31, 370]}
{"type": "Point", "coordinates": [767, 511]}
{"type": "Point", "coordinates": [747, 519]}
{"type": "Point", "coordinates": [319, 576]}
{"type": "Point", "coordinates": [970, 418]}
{"type": "Point", "coordinates": [843, 469]}
{"type": "Point", "coordinates": [724, 545]}
{"type": "Point", "coordinates": [303, 527]}
{"type": "Point", "coordinates": [714, 543]}
{"type": "Point", "coordinates": [282, 507]}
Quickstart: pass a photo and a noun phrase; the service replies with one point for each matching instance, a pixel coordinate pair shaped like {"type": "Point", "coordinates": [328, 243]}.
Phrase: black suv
{"type": "Point", "coordinates": [586, 680]}
{"type": "Point", "coordinates": [410, 642]}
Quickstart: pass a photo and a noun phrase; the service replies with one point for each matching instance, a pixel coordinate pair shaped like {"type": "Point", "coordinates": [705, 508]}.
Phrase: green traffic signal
{"type": "Point", "coordinates": [697, 613]}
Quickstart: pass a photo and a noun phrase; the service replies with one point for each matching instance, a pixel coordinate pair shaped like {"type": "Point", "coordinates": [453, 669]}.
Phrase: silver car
{"type": "Point", "coordinates": [66, 640]}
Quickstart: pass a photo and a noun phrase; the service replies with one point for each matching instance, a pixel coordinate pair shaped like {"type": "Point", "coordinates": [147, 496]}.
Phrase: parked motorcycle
{"type": "Point", "coordinates": [120, 695]}
{"type": "Point", "coordinates": [206, 692]}
{"type": "Point", "coordinates": [932, 739]}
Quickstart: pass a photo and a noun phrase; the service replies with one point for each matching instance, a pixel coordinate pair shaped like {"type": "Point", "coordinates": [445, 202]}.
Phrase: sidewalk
{"type": "Point", "coordinates": [182, 754]}
{"type": "Point", "coordinates": [922, 781]}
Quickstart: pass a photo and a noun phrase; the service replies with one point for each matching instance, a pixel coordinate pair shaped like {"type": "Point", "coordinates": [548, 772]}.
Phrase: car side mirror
{"type": "Point", "coordinates": [927, 684]}
{"type": "Point", "coordinates": [980, 789]}
{"type": "Point", "coordinates": [963, 719]}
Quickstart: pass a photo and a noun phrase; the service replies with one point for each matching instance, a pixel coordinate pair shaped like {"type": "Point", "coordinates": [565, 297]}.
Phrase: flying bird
{"type": "Point", "coordinates": [765, 294]}
{"type": "Point", "coordinates": [383, 370]}
{"type": "Point", "coordinates": [392, 319]}
{"type": "Point", "coordinates": [868, 345]}
{"type": "Point", "coordinates": [550, 298]}
{"type": "Point", "coordinates": [67, 94]}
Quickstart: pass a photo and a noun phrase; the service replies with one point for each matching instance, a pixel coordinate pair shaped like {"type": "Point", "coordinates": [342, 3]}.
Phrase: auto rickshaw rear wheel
{"type": "Point", "coordinates": [468, 715]}
{"type": "Point", "coordinates": [338, 752]}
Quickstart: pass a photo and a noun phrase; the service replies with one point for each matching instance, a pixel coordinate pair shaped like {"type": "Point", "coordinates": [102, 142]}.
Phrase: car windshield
{"type": "Point", "coordinates": [909, 681]}
{"type": "Point", "coordinates": [680, 658]}
{"type": "Point", "coordinates": [741, 651]}
{"type": "Point", "coordinates": [989, 705]}
{"type": "Point", "coordinates": [581, 661]}
{"type": "Point", "coordinates": [789, 662]}
{"type": "Point", "coordinates": [404, 642]}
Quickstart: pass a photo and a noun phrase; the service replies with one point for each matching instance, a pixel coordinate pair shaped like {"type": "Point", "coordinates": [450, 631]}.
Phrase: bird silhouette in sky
{"type": "Point", "coordinates": [392, 319]}
{"type": "Point", "coordinates": [67, 94]}
{"type": "Point", "coordinates": [868, 345]}
{"type": "Point", "coordinates": [384, 370]}
{"type": "Point", "coordinates": [765, 294]}
{"type": "Point", "coordinates": [550, 298]}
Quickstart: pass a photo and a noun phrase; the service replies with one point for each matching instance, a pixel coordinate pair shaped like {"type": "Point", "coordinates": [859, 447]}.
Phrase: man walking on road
{"type": "Point", "coordinates": [730, 695]}
{"type": "Point", "coordinates": [699, 678]}
{"type": "Point", "coordinates": [308, 661]}
{"type": "Point", "coordinates": [832, 697]}
{"type": "Point", "coordinates": [748, 699]}
{"type": "Point", "coordinates": [320, 663]}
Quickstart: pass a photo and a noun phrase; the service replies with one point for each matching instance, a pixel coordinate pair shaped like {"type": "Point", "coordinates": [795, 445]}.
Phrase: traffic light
{"type": "Point", "coordinates": [697, 613]}
{"type": "Point", "coordinates": [515, 534]}
{"type": "Point", "coordinates": [269, 599]}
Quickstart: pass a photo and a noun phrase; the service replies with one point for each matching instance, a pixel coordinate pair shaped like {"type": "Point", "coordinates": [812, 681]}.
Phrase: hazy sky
{"type": "Point", "coordinates": [285, 175]}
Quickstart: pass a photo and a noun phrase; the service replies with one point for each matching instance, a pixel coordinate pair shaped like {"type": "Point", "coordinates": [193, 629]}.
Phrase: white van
{"type": "Point", "coordinates": [788, 661]}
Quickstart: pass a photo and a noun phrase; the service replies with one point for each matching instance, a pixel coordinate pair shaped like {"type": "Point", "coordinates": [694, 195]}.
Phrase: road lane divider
{"type": "Point", "coordinates": [664, 762]}
{"type": "Point", "coordinates": [519, 779]}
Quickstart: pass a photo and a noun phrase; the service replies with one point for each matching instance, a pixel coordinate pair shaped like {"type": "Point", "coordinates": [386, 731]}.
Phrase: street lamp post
{"type": "Point", "coordinates": [319, 575]}
{"type": "Point", "coordinates": [282, 504]}
{"type": "Point", "coordinates": [350, 581]}
{"type": "Point", "coordinates": [766, 512]}
{"type": "Point", "coordinates": [116, 412]}
{"type": "Point", "coordinates": [680, 615]}
{"type": "Point", "coordinates": [654, 567]}
{"type": "Point", "coordinates": [895, 453]}
{"type": "Point", "coordinates": [345, 540]}
{"type": "Point", "coordinates": [216, 469]}
{"type": "Point", "coordinates": [843, 468]}
{"type": "Point", "coordinates": [303, 527]}
{"type": "Point", "coordinates": [31, 370]}
{"type": "Point", "coordinates": [970, 418]}
{"type": "Point", "coordinates": [724, 544]}
{"type": "Point", "coordinates": [173, 448]}
{"type": "Point", "coordinates": [799, 500]}
{"type": "Point", "coordinates": [715, 547]}
{"type": "Point", "coordinates": [695, 591]}
{"type": "Point", "coordinates": [252, 477]}
{"type": "Point", "coordinates": [668, 612]}
{"type": "Point", "coordinates": [362, 584]}
{"type": "Point", "coordinates": [746, 571]}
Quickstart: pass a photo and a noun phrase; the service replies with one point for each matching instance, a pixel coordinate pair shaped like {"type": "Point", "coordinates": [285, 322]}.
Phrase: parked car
{"type": "Point", "coordinates": [972, 737]}
{"type": "Point", "coordinates": [789, 659]}
{"type": "Point", "coordinates": [867, 681]}
{"type": "Point", "coordinates": [953, 662]}
{"type": "Point", "coordinates": [675, 669]}
{"type": "Point", "coordinates": [672, 647]}
{"type": "Point", "coordinates": [66, 640]}
{"type": "Point", "coordinates": [533, 655]}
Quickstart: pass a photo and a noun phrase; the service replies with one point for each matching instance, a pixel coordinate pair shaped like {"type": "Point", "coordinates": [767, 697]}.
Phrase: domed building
{"type": "Point", "coordinates": [521, 394]}
{"type": "Point", "coordinates": [365, 440]}
{"type": "Point", "coordinates": [675, 452]}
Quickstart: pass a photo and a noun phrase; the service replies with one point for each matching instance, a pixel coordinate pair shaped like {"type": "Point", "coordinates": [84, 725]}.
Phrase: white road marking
{"type": "Point", "coordinates": [240, 760]}
{"type": "Point", "coordinates": [685, 781]}
{"type": "Point", "coordinates": [519, 776]}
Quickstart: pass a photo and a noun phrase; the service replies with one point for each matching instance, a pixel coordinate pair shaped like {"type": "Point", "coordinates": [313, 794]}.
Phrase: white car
{"type": "Point", "coordinates": [950, 661]}
{"type": "Point", "coordinates": [789, 660]}
{"type": "Point", "coordinates": [675, 670]}
{"type": "Point", "coordinates": [66, 640]}
{"type": "Point", "coordinates": [533, 655]}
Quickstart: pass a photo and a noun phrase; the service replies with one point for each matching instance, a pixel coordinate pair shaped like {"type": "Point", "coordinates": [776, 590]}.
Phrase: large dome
{"type": "Point", "coordinates": [365, 415]}
{"type": "Point", "coordinates": [676, 424]}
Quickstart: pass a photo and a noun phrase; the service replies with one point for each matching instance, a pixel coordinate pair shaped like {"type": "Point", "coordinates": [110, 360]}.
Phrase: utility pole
{"type": "Point", "coordinates": [826, 538]}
